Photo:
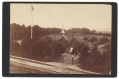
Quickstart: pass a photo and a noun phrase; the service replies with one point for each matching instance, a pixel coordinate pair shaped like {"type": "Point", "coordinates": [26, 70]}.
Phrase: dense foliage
{"type": "Point", "coordinates": [44, 48]}
{"type": "Point", "coordinates": [93, 59]}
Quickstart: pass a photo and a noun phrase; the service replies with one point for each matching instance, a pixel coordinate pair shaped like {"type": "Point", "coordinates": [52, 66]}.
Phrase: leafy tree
{"type": "Point", "coordinates": [93, 32]}
{"type": "Point", "coordinates": [73, 39]}
{"type": "Point", "coordinates": [86, 31]}
{"type": "Point", "coordinates": [59, 48]}
{"type": "Point", "coordinates": [83, 49]}
{"type": "Point", "coordinates": [64, 41]}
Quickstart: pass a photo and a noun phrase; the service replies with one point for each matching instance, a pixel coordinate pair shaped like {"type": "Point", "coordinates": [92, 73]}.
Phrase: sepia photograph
{"type": "Point", "coordinates": [60, 38]}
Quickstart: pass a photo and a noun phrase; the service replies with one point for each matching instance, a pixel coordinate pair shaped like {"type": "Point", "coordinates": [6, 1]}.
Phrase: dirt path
{"type": "Point", "coordinates": [23, 65]}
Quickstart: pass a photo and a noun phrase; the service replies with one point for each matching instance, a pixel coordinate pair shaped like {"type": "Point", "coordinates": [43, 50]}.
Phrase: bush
{"type": "Point", "coordinates": [93, 39]}
{"type": "Point", "coordinates": [104, 40]}
{"type": "Point", "coordinates": [85, 38]}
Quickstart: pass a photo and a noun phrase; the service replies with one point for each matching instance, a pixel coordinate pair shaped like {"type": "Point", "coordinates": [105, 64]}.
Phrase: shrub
{"type": "Point", "coordinates": [93, 39]}
{"type": "Point", "coordinates": [104, 40]}
{"type": "Point", "coordinates": [85, 38]}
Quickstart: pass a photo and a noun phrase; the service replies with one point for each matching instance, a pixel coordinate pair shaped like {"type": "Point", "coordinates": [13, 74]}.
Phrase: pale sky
{"type": "Point", "coordinates": [92, 16]}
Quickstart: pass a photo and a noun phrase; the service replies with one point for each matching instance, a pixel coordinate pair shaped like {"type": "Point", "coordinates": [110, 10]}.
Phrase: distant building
{"type": "Point", "coordinates": [63, 34]}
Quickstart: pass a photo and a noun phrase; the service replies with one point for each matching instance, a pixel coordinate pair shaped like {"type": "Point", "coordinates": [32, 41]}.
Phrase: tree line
{"type": "Point", "coordinates": [19, 31]}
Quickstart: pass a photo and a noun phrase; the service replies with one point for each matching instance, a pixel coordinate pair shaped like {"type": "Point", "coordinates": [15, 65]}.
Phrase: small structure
{"type": "Point", "coordinates": [66, 58]}
{"type": "Point", "coordinates": [62, 31]}
{"type": "Point", "coordinates": [63, 34]}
